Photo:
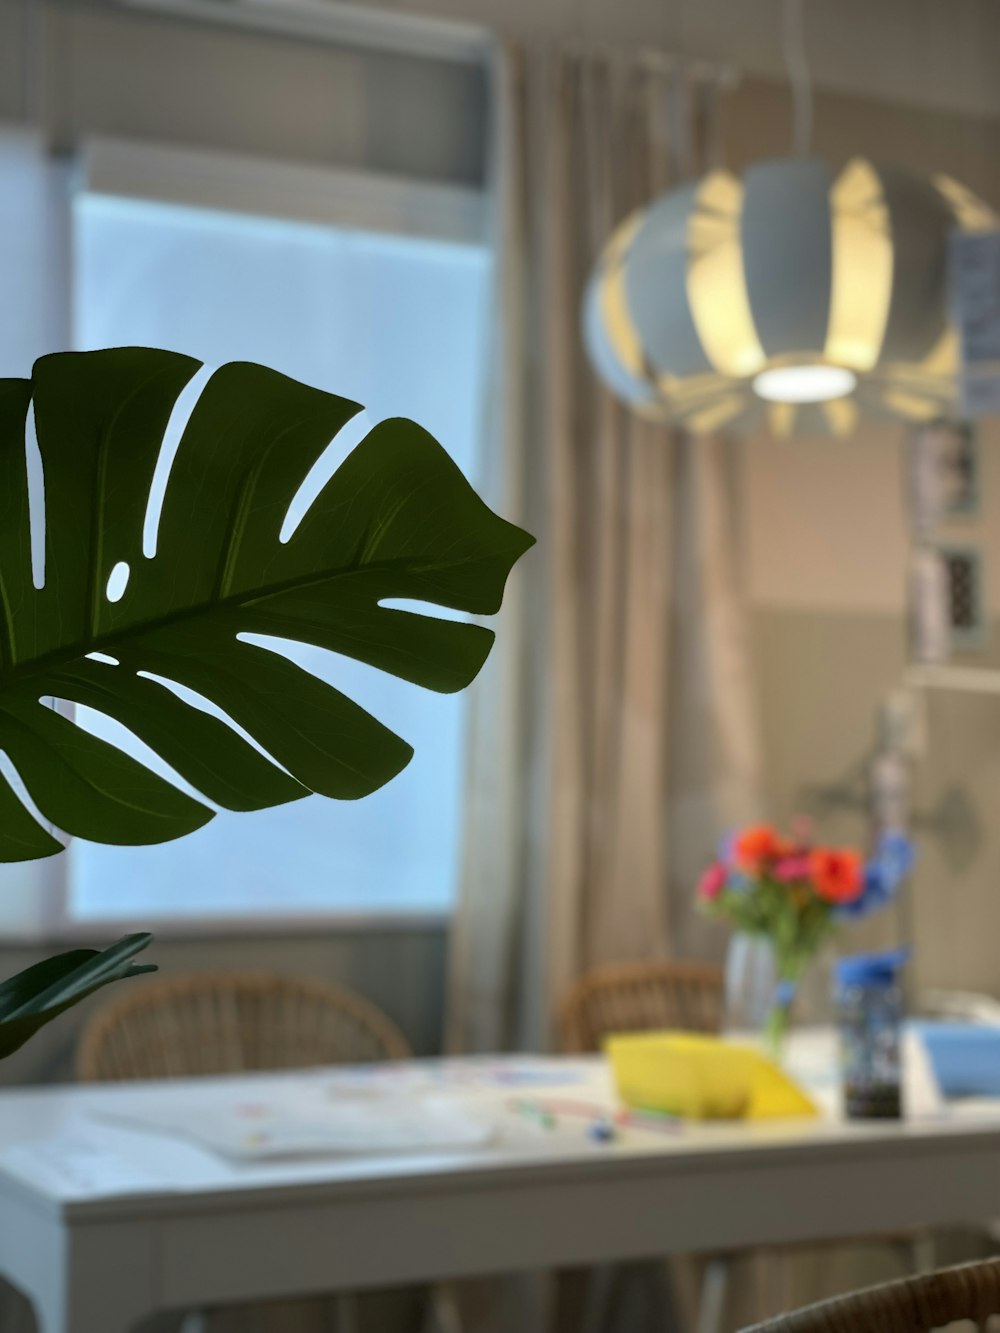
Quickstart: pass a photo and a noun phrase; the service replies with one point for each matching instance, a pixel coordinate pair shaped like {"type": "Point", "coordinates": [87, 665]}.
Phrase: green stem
{"type": "Point", "coordinates": [791, 965]}
{"type": "Point", "coordinates": [776, 1028]}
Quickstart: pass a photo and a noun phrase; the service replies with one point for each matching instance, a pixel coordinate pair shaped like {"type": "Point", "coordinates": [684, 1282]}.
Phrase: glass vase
{"type": "Point", "coordinates": [760, 988]}
{"type": "Point", "coordinates": [751, 978]}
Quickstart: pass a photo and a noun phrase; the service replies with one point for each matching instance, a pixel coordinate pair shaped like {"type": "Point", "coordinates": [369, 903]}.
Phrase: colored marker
{"type": "Point", "coordinates": [653, 1120]}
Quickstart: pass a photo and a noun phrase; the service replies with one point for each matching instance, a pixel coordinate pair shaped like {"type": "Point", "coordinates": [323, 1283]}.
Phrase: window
{"type": "Point", "coordinates": [396, 322]}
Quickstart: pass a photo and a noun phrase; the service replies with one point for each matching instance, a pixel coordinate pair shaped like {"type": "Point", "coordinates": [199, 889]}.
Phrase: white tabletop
{"type": "Point", "coordinates": [67, 1148]}
{"type": "Point", "coordinates": [190, 1226]}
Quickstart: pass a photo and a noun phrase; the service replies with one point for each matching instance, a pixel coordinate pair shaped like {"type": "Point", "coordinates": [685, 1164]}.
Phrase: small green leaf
{"type": "Point", "coordinates": [32, 998]}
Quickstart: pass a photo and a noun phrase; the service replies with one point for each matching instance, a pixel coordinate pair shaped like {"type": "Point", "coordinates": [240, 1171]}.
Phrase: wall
{"type": "Point", "coordinates": [828, 569]}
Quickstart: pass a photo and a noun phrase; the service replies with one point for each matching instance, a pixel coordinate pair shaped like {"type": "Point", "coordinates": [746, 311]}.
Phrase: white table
{"type": "Point", "coordinates": [101, 1224]}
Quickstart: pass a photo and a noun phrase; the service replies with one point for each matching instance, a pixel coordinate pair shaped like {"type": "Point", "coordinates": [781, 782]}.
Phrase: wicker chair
{"type": "Point", "coordinates": [689, 996]}
{"type": "Point", "coordinates": [640, 997]}
{"type": "Point", "coordinates": [228, 1023]}
{"type": "Point", "coordinates": [914, 1305]}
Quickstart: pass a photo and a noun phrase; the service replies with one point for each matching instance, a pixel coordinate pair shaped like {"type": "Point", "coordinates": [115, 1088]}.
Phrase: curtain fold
{"type": "Point", "coordinates": [613, 733]}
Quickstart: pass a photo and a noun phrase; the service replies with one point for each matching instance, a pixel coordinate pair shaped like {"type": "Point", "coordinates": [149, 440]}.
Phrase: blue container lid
{"type": "Point", "coordinates": [871, 969]}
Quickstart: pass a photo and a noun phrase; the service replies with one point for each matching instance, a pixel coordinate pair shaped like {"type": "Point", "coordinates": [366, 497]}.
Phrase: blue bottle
{"type": "Point", "coordinates": [870, 1016]}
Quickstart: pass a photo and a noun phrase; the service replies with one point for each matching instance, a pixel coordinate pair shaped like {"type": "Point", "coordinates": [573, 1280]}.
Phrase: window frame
{"type": "Point", "coordinates": [242, 184]}
{"type": "Point", "coordinates": [292, 191]}
{"type": "Point", "coordinates": [60, 925]}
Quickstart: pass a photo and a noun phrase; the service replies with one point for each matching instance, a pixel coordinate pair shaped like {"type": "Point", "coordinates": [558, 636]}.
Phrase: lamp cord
{"type": "Point", "coordinates": [793, 45]}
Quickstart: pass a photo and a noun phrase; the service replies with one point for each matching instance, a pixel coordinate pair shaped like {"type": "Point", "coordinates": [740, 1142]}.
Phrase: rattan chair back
{"type": "Point", "coordinates": [970, 1293]}
{"type": "Point", "coordinates": [230, 1023]}
{"type": "Point", "coordinates": [641, 997]}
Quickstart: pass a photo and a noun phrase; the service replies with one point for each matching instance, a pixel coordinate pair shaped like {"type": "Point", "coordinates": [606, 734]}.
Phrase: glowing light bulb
{"type": "Point", "coordinates": [804, 384]}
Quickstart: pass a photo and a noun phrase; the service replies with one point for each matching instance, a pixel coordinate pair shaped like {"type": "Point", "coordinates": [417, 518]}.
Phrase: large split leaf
{"type": "Point", "coordinates": [32, 998]}
{"type": "Point", "coordinates": [397, 520]}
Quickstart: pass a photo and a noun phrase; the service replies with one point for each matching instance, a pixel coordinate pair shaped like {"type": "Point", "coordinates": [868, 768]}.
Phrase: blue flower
{"type": "Point", "coordinates": [784, 993]}
{"type": "Point", "coordinates": [738, 882]}
{"type": "Point", "coordinates": [893, 860]}
{"type": "Point", "coordinates": [896, 856]}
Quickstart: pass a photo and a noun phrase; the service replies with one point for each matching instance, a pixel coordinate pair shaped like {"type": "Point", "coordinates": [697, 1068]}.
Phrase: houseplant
{"type": "Point", "coordinates": [91, 619]}
{"type": "Point", "coordinates": [793, 893]}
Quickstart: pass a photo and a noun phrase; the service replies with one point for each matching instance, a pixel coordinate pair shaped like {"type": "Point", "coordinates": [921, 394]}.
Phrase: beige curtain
{"type": "Point", "coordinates": [613, 729]}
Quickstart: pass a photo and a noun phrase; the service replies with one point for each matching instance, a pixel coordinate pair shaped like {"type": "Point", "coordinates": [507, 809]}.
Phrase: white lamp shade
{"type": "Point", "coordinates": [838, 282]}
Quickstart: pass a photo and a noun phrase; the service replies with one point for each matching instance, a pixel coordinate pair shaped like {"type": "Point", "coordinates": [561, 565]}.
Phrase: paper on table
{"type": "Point", "coordinates": [75, 1167]}
{"type": "Point", "coordinates": [303, 1119]}
{"type": "Point", "coordinates": [467, 1073]}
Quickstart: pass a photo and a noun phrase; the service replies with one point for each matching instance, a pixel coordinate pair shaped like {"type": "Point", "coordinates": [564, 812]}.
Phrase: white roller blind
{"type": "Point", "coordinates": [297, 192]}
{"type": "Point", "coordinates": [176, 74]}
{"type": "Point", "coordinates": [395, 322]}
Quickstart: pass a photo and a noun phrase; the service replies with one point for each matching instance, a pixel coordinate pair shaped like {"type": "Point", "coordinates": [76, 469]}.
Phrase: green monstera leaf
{"type": "Point", "coordinates": [106, 626]}
{"type": "Point", "coordinates": [32, 998]}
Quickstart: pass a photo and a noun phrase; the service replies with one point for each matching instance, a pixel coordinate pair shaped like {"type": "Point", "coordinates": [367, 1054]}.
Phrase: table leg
{"type": "Point", "coordinates": [346, 1312]}
{"type": "Point", "coordinates": [668, 1297]}
{"type": "Point", "coordinates": [602, 1280]}
{"type": "Point", "coordinates": [714, 1290]}
{"type": "Point", "coordinates": [93, 1279]}
{"type": "Point", "coordinates": [442, 1313]}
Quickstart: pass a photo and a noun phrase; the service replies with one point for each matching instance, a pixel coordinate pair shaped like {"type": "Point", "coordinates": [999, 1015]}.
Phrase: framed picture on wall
{"type": "Point", "coordinates": [944, 475]}
{"type": "Point", "coordinates": [963, 568]}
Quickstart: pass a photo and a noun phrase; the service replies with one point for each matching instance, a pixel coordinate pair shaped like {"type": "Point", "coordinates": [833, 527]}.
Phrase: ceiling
{"type": "Point", "coordinates": [935, 53]}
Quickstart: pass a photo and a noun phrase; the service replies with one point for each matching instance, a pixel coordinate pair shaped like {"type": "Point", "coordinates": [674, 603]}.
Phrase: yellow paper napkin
{"type": "Point", "coordinates": [702, 1078]}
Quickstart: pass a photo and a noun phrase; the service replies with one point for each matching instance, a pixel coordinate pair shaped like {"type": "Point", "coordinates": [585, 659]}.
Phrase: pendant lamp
{"type": "Point", "coordinates": [794, 298]}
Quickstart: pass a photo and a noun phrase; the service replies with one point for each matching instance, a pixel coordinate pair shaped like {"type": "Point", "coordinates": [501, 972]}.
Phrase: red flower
{"type": "Point", "coordinates": [712, 882]}
{"type": "Point", "coordinates": [836, 874]}
{"type": "Point", "coordinates": [756, 846]}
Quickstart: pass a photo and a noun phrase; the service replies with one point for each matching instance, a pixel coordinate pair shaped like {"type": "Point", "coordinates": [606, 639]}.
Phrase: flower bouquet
{"type": "Point", "coordinates": [795, 893]}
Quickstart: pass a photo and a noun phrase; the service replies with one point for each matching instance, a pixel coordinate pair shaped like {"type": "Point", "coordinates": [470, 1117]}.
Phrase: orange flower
{"type": "Point", "coordinates": [836, 874]}
{"type": "Point", "coordinates": [756, 846]}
